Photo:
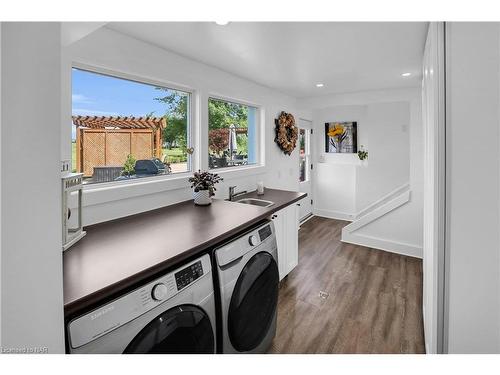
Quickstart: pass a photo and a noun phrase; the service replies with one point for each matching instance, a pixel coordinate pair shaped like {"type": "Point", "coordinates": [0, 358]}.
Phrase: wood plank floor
{"type": "Point", "coordinates": [373, 304]}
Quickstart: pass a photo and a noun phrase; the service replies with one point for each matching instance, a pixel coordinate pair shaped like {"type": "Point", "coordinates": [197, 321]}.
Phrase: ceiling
{"type": "Point", "coordinates": [293, 57]}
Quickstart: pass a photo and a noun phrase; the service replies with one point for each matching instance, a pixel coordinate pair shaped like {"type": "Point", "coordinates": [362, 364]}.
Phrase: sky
{"type": "Point", "coordinates": [101, 95]}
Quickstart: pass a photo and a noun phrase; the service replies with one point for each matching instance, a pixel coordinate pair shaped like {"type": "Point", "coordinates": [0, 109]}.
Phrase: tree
{"type": "Point", "coordinates": [175, 134]}
{"type": "Point", "coordinates": [222, 114]}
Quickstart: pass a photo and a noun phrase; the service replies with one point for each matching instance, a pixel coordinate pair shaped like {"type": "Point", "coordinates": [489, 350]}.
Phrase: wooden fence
{"type": "Point", "coordinates": [110, 147]}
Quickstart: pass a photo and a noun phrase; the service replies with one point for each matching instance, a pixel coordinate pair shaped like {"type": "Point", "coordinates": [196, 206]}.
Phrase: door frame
{"type": "Point", "coordinates": [309, 172]}
{"type": "Point", "coordinates": [435, 195]}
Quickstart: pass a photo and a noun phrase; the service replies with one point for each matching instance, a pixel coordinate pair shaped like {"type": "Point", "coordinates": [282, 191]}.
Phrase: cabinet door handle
{"type": "Point", "coordinates": [298, 204]}
{"type": "Point", "coordinates": [274, 216]}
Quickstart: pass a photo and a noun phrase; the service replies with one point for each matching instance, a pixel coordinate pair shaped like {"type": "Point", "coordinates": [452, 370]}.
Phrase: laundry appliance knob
{"type": "Point", "coordinates": [252, 240]}
{"type": "Point", "coordinates": [159, 292]}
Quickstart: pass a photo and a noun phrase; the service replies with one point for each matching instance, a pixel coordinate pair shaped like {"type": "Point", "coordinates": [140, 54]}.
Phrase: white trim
{"type": "Point", "coordinates": [377, 213]}
{"type": "Point", "coordinates": [309, 217]}
{"type": "Point", "coordinates": [96, 194]}
{"type": "Point", "coordinates": [108, 192]}
{"type": "Point", "coordinates": [381, 244]}
{"type": "Point", "coordinates": [384, 199]}
{"type": "Point", "coordinates": [349, 236]}
{"type": "Point", "coordinates": [93, 68]}
{"type": "Point", "coordinates": [330, 214]}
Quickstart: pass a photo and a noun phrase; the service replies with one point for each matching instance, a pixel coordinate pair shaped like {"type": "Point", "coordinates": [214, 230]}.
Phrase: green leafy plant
{"type": "Point", "coordinates": [203, 180]}
{"type": "Point", "coordinates": [362, 154]}
{"type": "Point", "coordinates": [129, 166]}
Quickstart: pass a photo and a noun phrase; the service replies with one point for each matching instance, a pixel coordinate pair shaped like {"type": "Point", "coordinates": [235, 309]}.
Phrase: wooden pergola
{"type": "Point", "coordinates": [107, 140]}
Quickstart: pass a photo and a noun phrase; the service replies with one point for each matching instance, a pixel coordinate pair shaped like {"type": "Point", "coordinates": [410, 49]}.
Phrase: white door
{"type": "Point", "coordinates": [305, 167]}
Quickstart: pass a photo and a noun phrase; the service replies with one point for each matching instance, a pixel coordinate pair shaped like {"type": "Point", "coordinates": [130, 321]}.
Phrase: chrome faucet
{"type": "Point", "coordinates": [233, 195]}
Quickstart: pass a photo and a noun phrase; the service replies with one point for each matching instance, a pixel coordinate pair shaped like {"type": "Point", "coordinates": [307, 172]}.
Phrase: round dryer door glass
{"type": "Point", "coordinates": [253, 303]}
{"type": "Point", "coordinates": [183, 329]}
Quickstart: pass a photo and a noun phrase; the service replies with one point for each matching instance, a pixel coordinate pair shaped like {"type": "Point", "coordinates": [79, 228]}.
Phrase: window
{"type": "Point", "coordinates": [304, 155]}
{"type": "Point", "coordinates": [232, 134]}
{"type": "Point", "coordinates": [124, 129]}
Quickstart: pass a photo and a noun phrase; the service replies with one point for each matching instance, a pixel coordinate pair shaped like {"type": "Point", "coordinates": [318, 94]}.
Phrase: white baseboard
{"type": "Point", "coordinates": [329, 214]}
{"type": "Point", "coordinates": [381, 244]}
{"type": "Point", "coordinates": [306, 219]}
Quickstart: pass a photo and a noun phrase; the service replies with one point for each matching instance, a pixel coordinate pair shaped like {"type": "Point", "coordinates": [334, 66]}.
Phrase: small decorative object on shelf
{"type": "Point", "coordinates": [362, 153]}
{"type": "Point", "coordinates": [71, 233]}
{"type": "Point", "coordinates": [286, 132]}
{"type": "Point", "coordinates": [203, 184]}
{"type": "Point", "coordinates": [260, 188]}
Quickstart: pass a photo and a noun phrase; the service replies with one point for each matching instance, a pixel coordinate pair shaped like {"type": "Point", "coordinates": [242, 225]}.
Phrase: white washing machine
{"type": "Point", "coordinates": [248, 277]}
{"type": "Point", "coordinates": [173, 314]}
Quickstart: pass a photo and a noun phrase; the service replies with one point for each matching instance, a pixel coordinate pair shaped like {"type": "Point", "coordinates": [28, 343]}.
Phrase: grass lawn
{"type": "Point", "coordinates": [172, 152]}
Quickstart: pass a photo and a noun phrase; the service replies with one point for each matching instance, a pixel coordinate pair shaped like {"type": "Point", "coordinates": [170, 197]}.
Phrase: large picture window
{"type": "Point", "coordinates": [124, 129]}
{"type": "Point", "coordinates": [232, 134]}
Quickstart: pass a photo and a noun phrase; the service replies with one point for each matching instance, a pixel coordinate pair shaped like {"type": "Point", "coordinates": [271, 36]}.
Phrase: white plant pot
{"type": "Point", "coordinates": [202, 197]}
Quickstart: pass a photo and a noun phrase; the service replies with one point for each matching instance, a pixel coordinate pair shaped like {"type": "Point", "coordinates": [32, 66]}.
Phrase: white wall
{"type": "Point", "coordinates": [31, 263]}
{"type": "Point", "coordinates": [0, 182]}
{"type": "Point", "coordinates": [390, 127]}
{"type": "Point", "coordinates": [110, 50]}
{"type": "Point", "coordinates": [473, 245]}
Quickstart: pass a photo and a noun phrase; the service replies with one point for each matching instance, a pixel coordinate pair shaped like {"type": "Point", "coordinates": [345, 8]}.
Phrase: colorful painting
{"type": "Point", "coordinates": [341, 137]}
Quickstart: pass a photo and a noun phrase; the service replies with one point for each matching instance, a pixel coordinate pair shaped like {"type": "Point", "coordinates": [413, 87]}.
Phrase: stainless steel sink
{"type": "Point", "coordinates": [255, 202]}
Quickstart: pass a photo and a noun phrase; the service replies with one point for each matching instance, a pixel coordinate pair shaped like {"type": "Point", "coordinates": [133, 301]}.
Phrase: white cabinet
{"type": "Point", "coordinates": [286, 225]}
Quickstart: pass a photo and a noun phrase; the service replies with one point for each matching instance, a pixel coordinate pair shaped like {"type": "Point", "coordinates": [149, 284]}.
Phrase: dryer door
{"type": "Point", "coordinates": [182, 329]}
{"type": "Point", "coordinates": [253, 303]}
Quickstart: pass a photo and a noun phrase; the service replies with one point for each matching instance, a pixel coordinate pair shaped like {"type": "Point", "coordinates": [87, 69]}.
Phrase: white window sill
{"type": "Point", "coordinates": [113, 191]}
{"type": "Point", "coordinates": [106, 192]}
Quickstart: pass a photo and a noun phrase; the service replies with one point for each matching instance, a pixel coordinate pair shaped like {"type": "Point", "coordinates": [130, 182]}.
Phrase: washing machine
{"type": "Point", "coordinates": [247, 278]}
{"type": "Point", "coordinates": [172, 314]}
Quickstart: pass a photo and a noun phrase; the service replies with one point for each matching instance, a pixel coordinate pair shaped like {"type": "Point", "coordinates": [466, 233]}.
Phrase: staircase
{"type": "Point", "coordinates": [375, 211]}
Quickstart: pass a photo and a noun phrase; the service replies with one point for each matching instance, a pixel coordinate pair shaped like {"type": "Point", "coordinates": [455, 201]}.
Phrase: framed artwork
{"type": "Point", "coordinates": [341, 137]}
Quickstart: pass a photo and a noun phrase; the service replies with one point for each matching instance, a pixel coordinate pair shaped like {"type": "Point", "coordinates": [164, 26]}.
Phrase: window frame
{"type": "Point", "coordinates": [191, 135]}
{"type": "Point", "coordinates": [259, 131]}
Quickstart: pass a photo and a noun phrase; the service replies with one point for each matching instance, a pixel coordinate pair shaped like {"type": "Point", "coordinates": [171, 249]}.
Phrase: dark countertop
{"type": "Point", "coordinates": [117, 255]}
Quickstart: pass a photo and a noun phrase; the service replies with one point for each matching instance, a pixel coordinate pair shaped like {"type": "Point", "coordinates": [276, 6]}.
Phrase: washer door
{"type": "Point", "coordinates": [253, 303]}
{"type": "Point", "coordinates": [183, 329]}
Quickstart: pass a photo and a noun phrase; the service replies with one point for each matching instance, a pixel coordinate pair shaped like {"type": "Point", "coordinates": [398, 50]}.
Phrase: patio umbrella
{"type": "Point", "coordinates": [232, 145]}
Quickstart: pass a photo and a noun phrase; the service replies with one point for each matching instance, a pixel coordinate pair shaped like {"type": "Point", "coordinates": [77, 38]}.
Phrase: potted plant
{"type": "Point", "coordinates": [363, 156]}
{"type": "Point", "coordinates": [362, 153]}
{"type": "Point", "coordinates": [203, 185]}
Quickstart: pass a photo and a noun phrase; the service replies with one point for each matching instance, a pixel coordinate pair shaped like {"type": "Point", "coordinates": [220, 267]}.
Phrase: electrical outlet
{"type": "Point", "coordinates": [65, 166]}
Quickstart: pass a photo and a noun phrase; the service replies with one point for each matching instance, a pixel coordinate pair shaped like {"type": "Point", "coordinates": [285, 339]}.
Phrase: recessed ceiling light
{"type": "Point", "coordinates": [319, 85]}
{"type": "Point", "coordinates": [406, 74]}
{"type": "Point", "coordinates": [222, 23]}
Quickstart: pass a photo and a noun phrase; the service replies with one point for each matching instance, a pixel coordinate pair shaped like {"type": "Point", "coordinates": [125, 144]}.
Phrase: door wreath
{"type": "Point", "coordinates": [286, 132]}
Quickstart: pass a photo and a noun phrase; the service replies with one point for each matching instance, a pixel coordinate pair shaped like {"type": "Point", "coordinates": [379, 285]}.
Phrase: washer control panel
{"type": "Point", "coordinates": [263, 236]}
{"type": "Point", "coordinates": [189, 274]}
{"type": "Point", "coordinates": [115, 314]}
{"type": "Point", "coordinates": [265, 232]}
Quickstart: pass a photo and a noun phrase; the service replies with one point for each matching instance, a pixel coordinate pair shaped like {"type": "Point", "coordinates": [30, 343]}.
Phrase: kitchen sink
{"type": "Point", "coordinates": [255, 202]}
